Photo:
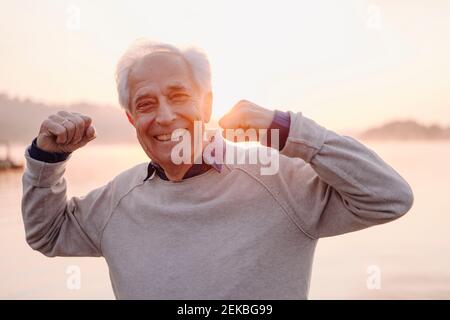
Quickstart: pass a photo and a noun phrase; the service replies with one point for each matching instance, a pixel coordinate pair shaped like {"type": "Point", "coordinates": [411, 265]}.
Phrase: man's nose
{"type": "Point", "coordinates": [165, 115]}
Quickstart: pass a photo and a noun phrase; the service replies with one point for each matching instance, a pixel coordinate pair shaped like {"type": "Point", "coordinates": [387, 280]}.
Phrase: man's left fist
{"type": "Point", "coordinates": [247, 115]}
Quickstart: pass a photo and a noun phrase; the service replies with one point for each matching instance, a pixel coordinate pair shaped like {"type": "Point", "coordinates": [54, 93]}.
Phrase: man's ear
{"type": "Point", "coordinates": [130, 118]}
{"type": "Point", "coordinates": [207, 107]}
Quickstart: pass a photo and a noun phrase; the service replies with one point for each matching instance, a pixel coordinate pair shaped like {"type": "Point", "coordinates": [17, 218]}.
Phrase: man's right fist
{"type": "Point", "coordinates": [65, 132]}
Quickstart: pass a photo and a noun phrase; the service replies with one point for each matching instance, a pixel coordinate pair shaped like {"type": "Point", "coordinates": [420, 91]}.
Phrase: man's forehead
{"type": "Point", "coordinates": [159, 65]}
{"type": "Point", "coordinates": [160, 71]}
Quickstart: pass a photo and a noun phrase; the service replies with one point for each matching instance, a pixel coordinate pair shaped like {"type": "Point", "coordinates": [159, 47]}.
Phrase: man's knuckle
{"type": "Point", "coordinates": [60, 131]}
{"type": "Point", "coordinates": [78, 121]}
{"type": "Point", "coordinates": [69, 125]}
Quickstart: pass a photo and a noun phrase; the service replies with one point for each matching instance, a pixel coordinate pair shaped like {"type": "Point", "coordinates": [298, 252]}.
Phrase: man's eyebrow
{"type": "Point", "coordinates": [176, 87]}
{"type": "Point", "coordinates": [170, 88]}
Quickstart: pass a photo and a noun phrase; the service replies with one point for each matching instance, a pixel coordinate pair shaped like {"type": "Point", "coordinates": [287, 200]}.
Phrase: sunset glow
{"type": "Point", "coordinates": [349, 64]}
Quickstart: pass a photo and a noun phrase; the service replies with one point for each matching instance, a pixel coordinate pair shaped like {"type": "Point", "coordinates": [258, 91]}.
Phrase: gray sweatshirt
{"type": "Point", "coordinates": [233, 234]}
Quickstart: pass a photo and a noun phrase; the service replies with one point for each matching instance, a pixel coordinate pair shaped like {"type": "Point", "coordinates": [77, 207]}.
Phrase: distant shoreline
{"type": "Point", "coordinates": [407, 130]}
{"type": "Point", "coordinates": [18, 127]}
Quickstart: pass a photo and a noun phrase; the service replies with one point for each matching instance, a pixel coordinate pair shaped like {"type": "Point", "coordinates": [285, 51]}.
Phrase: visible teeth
{"type": "Point", "coordinates": [163, 137]}
{"type": "Point", "coordinates": [166, 137]}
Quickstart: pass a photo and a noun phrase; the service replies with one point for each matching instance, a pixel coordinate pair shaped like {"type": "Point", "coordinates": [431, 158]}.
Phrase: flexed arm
{"type": "Point", "coordinates": [330, 184]}
{"type": "Point", "coordinates": [54, 225]}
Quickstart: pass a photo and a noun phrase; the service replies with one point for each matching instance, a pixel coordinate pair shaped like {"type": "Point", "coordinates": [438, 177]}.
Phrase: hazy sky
{"type": "Point", "coordinates": [346, 64]}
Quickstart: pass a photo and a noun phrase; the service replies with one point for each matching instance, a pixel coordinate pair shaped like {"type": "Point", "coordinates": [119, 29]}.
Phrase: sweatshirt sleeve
{"type": "Point", "coordinates": [54, 225]}
{"type": "Point", "coordinates": [334, 184]}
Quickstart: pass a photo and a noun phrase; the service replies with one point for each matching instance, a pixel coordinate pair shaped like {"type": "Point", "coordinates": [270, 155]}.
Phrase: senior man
{"type": "Point", "coordinates": [203, 230]}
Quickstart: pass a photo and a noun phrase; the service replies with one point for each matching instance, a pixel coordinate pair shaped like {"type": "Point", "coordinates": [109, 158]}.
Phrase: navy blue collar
{"type": "Point", "coordinates": [195, 170]}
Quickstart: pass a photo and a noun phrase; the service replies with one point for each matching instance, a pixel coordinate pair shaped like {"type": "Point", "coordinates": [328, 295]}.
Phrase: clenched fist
{"type": "Point", "coordinates": [247, 115]}
{"type": "Point", "coordinates": [65, 132]}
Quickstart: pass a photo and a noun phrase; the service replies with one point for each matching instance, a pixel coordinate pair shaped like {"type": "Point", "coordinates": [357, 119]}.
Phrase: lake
{"type": "Point", "coordinates": [406, 259]}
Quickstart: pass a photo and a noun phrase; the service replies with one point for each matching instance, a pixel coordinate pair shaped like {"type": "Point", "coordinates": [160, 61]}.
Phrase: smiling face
{"type": "Point", "coordinates": [163, 98]}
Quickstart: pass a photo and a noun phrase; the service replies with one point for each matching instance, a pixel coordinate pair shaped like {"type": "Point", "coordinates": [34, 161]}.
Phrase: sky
{"type": "Point", "coordinates": [348, 64]}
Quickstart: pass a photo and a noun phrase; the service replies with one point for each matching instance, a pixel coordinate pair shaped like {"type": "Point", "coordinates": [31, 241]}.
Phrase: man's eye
{"type": "Point", "coordinates": [145, 104]}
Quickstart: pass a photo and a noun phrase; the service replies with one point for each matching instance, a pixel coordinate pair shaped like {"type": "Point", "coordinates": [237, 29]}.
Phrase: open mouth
{"type": "Point", "coordinates": [165, 136]}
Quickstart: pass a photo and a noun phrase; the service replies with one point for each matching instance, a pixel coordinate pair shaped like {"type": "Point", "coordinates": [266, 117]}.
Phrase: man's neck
{"type": "Point", "coordinates": [176, 172]}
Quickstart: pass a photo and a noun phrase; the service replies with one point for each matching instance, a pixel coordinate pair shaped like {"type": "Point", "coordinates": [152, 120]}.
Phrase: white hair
{"type": "Point", "coordinates": [194, 57]}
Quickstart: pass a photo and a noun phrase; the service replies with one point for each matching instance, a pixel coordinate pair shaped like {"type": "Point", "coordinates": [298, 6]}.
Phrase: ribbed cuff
{"type": "Point", "coordinates": [282, 122]}
{"type": "Point", "coordinates": [43, 174]}
{"type": "Point", "coordinates": [45, 156]}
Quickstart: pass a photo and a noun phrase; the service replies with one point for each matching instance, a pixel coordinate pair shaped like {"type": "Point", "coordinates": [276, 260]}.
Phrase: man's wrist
{"type": "Point", "coordinates": [282, 122]}
{"type": "Point", "coordinates": [45, 156]}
